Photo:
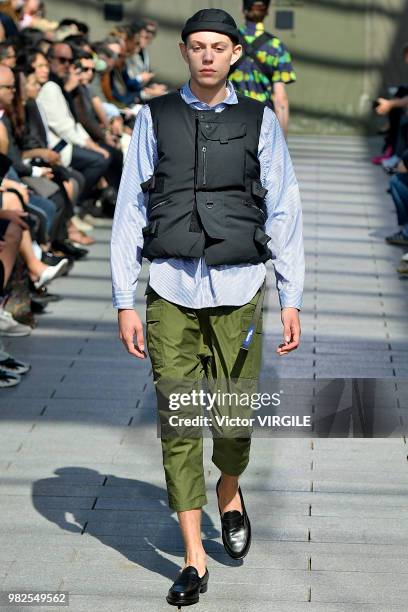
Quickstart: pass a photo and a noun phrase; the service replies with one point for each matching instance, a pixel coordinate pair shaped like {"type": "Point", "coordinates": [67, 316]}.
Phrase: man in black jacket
{"type": "Point", "coordinates": [86, 115]}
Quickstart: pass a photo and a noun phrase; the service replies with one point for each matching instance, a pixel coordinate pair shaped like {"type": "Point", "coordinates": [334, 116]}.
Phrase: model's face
{"type": "Point", "coordinates": [41, 69]}
{"type": "Point", "coordinates": [209, 56]}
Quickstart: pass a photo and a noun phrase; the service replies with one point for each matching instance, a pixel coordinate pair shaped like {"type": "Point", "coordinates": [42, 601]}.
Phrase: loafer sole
{"type": "Point", "coordinates": [184, 601]}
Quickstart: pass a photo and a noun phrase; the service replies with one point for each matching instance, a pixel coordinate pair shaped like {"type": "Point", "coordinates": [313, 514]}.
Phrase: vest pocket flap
{"type": "Point", "coordinates": [146, 184]}
{"type": "Point", "coordinates": [150, 229]}
{"type": "Point", "coordinates": [154, 183]}
{"type": "Point", "coordinates": [261, 237]}
{"type": "Point", "coordinates": [258, 190]}
{"type": "Point", "coordinates": [212, 214]}
{"type": "Point", "coordinates": [223, 131]}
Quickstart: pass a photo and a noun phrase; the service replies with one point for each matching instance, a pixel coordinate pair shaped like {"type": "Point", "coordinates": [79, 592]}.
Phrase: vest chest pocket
{"type": "Point", "coordinates": [221, 156]}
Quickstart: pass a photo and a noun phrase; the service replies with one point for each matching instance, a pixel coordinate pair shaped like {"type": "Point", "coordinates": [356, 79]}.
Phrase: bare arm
{"type": "Point", "coordinates": [4, 141]}
{"type": "Point", "coordinates": [385, 106]}
{"type": "Point", "coordinates": [100, 111]}
{"type": "Point", "coordinates": [48, 155]}
{"type": "Point", "coordinates": [281, 106]}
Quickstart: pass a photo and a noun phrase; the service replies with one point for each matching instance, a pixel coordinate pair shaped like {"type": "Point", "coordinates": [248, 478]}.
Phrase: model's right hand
{"type": "Point", "coordinates": [130, 325]}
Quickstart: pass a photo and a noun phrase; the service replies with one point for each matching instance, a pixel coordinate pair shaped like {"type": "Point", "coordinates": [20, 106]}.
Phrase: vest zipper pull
{"type": "Point", "coordinates": [204, 151]}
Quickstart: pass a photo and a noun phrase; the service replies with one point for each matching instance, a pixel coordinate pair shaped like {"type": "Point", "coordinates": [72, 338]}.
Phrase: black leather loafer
{"type": "Point", "coordinates": [235, 530]}
{"type": "Point", "coordinates": [187, 588]}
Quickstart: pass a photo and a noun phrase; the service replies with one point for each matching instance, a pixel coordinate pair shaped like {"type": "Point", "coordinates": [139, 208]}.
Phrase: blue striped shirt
{"type": "Point", "coordinates": [188, 281]}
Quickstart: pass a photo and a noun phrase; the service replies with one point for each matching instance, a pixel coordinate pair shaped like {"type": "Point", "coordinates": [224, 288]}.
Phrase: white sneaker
{"type": "Point", "coordinates": [9, 365]}
{"type": "Point", "coordinates": [405, 257]}
{"type": "Point", "coordinates": [81, 225]}
{"type": "Point", "coordinates": [11, 327]}
{"type": "Point", "coordinates": [51, 272]}
{"type": "Point", "coordinates": [8, 380]}
{"type": "Point", "coordinates": [391, 162]}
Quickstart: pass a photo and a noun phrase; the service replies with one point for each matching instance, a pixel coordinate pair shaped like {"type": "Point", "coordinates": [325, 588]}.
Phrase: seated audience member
{"type": "Point", "coordinates": [35, 146]}
{"type": "Point", "coordinates": [138, 59]}
{"type": "Point", "coordinates": [124, 91]}
{"type": "Point", "coordinates": [11, 225]}
{"type": "Point", "coordinates": [7, 54]}
{"type": "Point", "coordinates": [399, 194]}
{"type": "Point", "coordinates": [39, 178]}
{"type": "Point", "coordinates": [8, 28]}
{"type": "Point", "coordinates": [89, 120]}
{"type": "Point", "coordinates": [55, 101]}
{"type": "Point", "coordinates": [33, 16]}
{"type": "Point", "coordinates": [396, 108]}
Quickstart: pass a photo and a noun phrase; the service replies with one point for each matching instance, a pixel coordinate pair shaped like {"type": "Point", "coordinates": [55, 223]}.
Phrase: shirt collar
{"type": "Point", "coordinates": [190, 98]}
{"type": "Point", "coordinates": [253, 29]}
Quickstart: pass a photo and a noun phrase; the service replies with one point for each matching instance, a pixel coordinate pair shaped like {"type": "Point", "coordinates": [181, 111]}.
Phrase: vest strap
{"type": "Point", "coordinates": [258, 190]}
{"type": "Point", "coordinates": [255, 319]}
{"type": "Point", "coordinates": [151, 229]}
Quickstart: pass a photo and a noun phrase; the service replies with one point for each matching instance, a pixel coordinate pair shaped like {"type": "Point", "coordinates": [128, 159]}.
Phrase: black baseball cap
{"type": "Point", "coordinates": [212, 20]}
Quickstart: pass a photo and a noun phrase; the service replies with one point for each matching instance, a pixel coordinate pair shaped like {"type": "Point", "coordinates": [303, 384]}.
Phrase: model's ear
{"type": "Point", "coordinates": [183, 51]}
{"type": "Point", "coordinates": [236, 54]}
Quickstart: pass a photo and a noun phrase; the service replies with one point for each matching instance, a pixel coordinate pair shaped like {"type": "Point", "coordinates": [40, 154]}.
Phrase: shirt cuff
{"type": "Point", "coordinates": [294, 299]}
{"type": "Point", "coordinates": [124, 298]}
{"type": "Point", "coordinates": [36, 171]}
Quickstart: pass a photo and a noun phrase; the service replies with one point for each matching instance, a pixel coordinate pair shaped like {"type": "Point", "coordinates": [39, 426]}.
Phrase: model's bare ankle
{"type": "Point", "coordinates": [228, 496]}
{"type": "Point", "coordinates": [197, 559]}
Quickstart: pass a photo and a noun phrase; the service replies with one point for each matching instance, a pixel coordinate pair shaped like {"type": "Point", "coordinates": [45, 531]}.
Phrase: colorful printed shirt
{"type": "Point", "coordinates": [248, 78]}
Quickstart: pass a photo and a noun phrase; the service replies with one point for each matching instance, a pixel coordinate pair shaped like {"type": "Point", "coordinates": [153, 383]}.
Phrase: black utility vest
{"type": "Point", "coordinates": [206, 197]}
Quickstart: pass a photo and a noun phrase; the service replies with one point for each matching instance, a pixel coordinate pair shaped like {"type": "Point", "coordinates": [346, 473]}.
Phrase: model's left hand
{"type": "Point", "coordinates": [291, 330]}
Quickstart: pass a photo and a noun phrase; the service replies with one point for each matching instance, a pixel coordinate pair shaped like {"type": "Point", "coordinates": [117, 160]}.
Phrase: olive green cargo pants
{"type": "Point", "coordinates": [185, 344]}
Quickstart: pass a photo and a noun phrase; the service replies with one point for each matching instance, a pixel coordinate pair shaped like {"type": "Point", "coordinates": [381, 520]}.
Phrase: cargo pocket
{"type": "Point", "coordinates": [251, 365]}
{"type": "Point", "coordinates": [153, 330]}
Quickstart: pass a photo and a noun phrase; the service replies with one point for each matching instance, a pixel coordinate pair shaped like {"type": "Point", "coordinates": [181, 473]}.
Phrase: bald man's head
{"type": "Point", "coordinates": [5, 71]}
{"type": "Point", "coordinates": [6, 87]}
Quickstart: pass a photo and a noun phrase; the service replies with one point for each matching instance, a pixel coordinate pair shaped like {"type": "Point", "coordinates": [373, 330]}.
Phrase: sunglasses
{"type": "Point", "coordinates": [64, 60]}
{"type": "Point", "coordinates": [88, 69]}
{"type": "Point", "coordinates": [11, 87]}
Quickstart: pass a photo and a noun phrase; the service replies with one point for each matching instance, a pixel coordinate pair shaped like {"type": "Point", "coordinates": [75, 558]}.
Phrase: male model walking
{"type": "Point", "coordinates": [208, 195]}
{"type": "Point", "coordinates": [265, 66]}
